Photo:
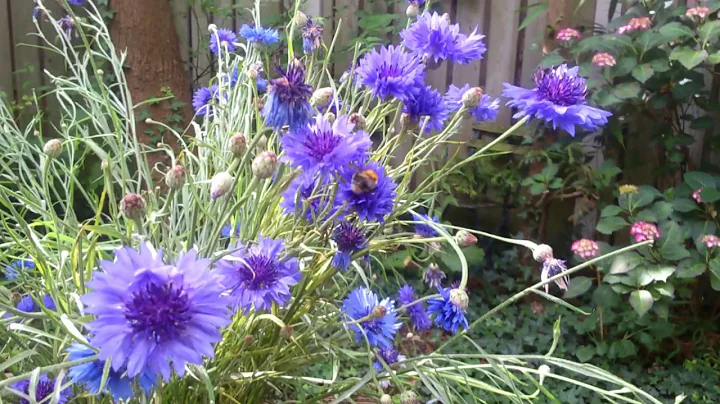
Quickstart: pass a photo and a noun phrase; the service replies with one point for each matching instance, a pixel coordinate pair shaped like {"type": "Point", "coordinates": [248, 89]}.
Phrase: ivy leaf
{"type": "Point", "coordinates": [688, 57]}
{"type": "Point", "coordinates": [642, 72]}
{"type": "Point", "coordinates": [611, 210]}
{"type": "Point", "coordinates": [578, 286]}
{"type": "Point", "coordinates": [608, 225]}
{"type": "Point", "coordinates": [641, 301]}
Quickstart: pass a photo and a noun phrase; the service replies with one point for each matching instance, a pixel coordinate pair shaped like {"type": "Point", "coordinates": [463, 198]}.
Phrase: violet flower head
{"type": "Point", "coordinates": [326, 147]}
{"type": "Point", "coordinates": [368, 191]}
{"type": "Point", "coordinates": [288, 101]}
{"type": "Point", "coordinates": [448, 314]}
{"type": "Point", "coordinates": [426, 104]}
{"type": "Point", "coordinates": [432, 36]}
{"type": "Point", "coordinates": [417, 313]}
{"type": "Point", "coordinates": [350, 239]}
{"type": "Point", "coordinates": [434, 276]}
{"type": "Point", "coordinates": [67, 25]}
{"type": "Point", "coordinates": [552, 267]}
{"type": "Point", "coordinates": [15, 268]}
{"type": "Point", "coordinates": [371, 317]}
{"type": "Point", "coordinates": [220, 38]}
{"type": "Point", "coordinates": [558, 99]}
{"type": "Point", "coordinates": [44, 389]}
{"type": "Point", "coordinates": [204, 100]}
{"type": "Point", "coordinates": [392, 72]}
{"type": "Point", "coordinates": [27, 304]}
{"type": "Point", "coordinates": [259, 36]}
{"type": "Point", "coordinates": [389, 355]}
{"type": "Point", "coordinates": [309, 196]}
{"type": "Point", "coordinates": [259, 275]}
{"type": "Point", "coordinates": [312, 34]}
{"type": "Point", "coordinates": [486, 110]}
{"type": "Point", "coordinates": [643, 231]}
{"type": "Point", "coordinates": [151, 314]}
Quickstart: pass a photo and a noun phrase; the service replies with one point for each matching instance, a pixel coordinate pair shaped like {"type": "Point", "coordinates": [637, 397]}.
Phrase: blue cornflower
{"type": "Point", "coordinates": [220, 37]}
{"type": "Point", "coordinates": [426, 103]}
{"type": "Point", "coordinates": [287, 103]}
{"type": "Point", "coordinates": [448, 314]}
{"type": "Point", "coordinates": [417, 313]}
{"type": "Point", "coordinates": [312, 36]}
{"type": "Point", "coordinates": [76, 2]}
{"type": "Point", "coordinates": [433, 276]}
{"type": "Point", "coordinates": [44, 389]}
{"type": "Point", "coordinates": [552, 267]}
{"type": "Point", "coordinates": [227, 230]}
{"type": "Point", "coordinates": [389, 355]}
{"type": "Point", "coordinates": [370, 203]}
{"type": "Point", "coordinates": [27, 304]}
{"type": "Point", "coordinates": [89, 374]}
{"type": "Point", "coordinates": [49, 303]}
{"type": "Point", "coordinates": [67, 25]}
{"type": "Point", "coordinates": [313, 195]}
{"type": "Point", "coordinates": [12, 270]}
{"type": "Point", "coordinates": [379, 319]}
{"type": "Point", "coordinates": [203, 100]}
{"type": "Point", "coordinates": [261, 85]}
{"type": "Point", "coordinates": [150, 314]}
{"type": "Point", "coordinates": [392, 72]}
{"type": "Point", "coordinates": [259, 36]}
{"type": "Point", "coordinates": [350, 239]}
{"type": "Point", "coordinates": [559, 98]}
{"type": "Point", "coordinates": [423, 229]}
{"type": "Point", "coordinates": [324, 147]}
{"type": "Point", "coordinates": [416, 2]}
{"type": "Point", "coordinates": [486, 110]}
{"type": "Point", "coordinates": [432, 36]}
{"type": "Point", "coordinates": [258, 276]}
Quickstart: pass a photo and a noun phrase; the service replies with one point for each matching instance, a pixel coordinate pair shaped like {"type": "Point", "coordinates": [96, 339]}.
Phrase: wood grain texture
{"type": "Point", "coordinates": [6, 52]}
{"type": "Point", "coordinates": [501, 53]}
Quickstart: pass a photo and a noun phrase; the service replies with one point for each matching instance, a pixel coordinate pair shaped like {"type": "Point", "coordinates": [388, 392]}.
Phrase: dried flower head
{"type": "Point", "coordinates": [553, 267]}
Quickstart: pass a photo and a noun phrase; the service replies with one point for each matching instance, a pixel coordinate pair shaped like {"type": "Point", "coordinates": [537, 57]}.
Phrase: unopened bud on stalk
{"type": "Point", "coordinates": [322, 96]}
{"type": "Point", "coordinates": [261, 143]}
{"type": "Point", "coordinates": [409, 397]}
{"type": "Point", "coordinates": [221, 184]}
{"type": "Point", "coordinates": [465, 239]}
{"type": "Point", "coordinates": [100, 72]}
{"type": "Point", "coordinates": [212, 28]}
{"type": "Point", "coordinates": [264, 165]}
{"type": "Point", "coordinates": [378, 312]}
{"type": "Point", "coordinates": [472, 97]}
{"type": "Point", "coordinates": [133, 206]}
{"type": "Point", "coordinates": [175, 178]}
{"type": "Point", "coordinates": [148, 121]}
{"type": "Point", "coordinates": [249, 339]}
{"type": "Point", "coordinates": [300, 19]}
{"type": "Point", "coordinates": [330, 117]}
{"type": "Point", "coordinates": [16, 297]}
{"type": "Point", "coordinates": [386, 399]}
{"type": "Point", "coordinates": [358, 120]}
{"type": "Point", "coordinates": [542, 253]}
{"type": "Point", "coordinates": [104, 165]}
{"type": "Point", "coordinates": [543, 371]}
{"type": "Point", "coordinates": [286, 332]}
{"type": "Point", "coordinates": [53, 148]}
{"type": "Point", "coordinates": [411, 11]}
{"type": "Point", "coordinates": [405, 120]}
{"type": "Point", "coordinates": [238, 144]}
{"type": "Point", "coordinates": [459, 298]}
{"type": "Point", "coordinates": [252, 74]}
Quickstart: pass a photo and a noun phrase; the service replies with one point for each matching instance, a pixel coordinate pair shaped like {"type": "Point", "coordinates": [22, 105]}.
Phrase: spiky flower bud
{"type": "Point", "coordinates": [472, 97]}
{"type": "Point", "coordinates": [542, 253]}
{"type": "Point", "coordinates": [459, 298]}
{"type": "Point", "coordinates": [411, 11]}
{"type": "Point", "coordinates": [261, 143]}
{"type": "Point", "coordinates": [300, 19]}
{"type": "Point", "coordinates": [385, 399]}
{"type": "Point", "coordinates": [358, 120]}
{"type": "Point", "coordinates": [409, 397]}
{"type": "Point", "coordinates": [238, 144]}
{"type": "Point", "coordinates": [322, 96]}
{"type": "Point", "coordinates": [175, 177]}
{"type": "Point", "coordinates": [378, 312]}
{"type": "Point", "coordinates": [53, 148]}
{"type": "Point", "coordinates": [252, 74]}
{"type": "Point", "coordinates": [286, 332]}
{"type": "Point", "coordinates": [264, 165]}
{"type": "Point", "coordinates": [133, 206]}
{"type": "Point", "coordinates": [330, 117]}
{"type": "Point", "coordinates": [465, 239]}
{"type": "Point", "coordinates": [221, 184]}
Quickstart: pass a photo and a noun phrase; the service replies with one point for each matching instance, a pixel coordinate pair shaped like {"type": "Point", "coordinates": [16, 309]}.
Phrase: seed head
{"type": "Point", "coordinates": [409, 397]}
{"type": "Point", "coordinates": [385, 399]}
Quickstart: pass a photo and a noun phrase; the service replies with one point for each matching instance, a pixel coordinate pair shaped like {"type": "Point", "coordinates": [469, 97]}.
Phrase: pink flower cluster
{"type": "Point", "coordinates": [603, 59]}
{"type": "Point", "coordinates": [568, 34]}
{"type": "Point", "coordinates": [696, 195]}
{"type": "Point", "coordinates": [699, 13]}
{"type": "Point", "coordinates": [585, 248]}
{"type": "Point", "coordinates": [710, 240]}
{"type": "Point", "coordinates": [644, 231]}
{"type": "Point", "coordinates": [635, 24]}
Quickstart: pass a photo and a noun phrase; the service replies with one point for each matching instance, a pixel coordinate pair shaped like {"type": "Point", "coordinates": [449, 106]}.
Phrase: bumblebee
{"type": "Point", "coordinates": [364, 181]}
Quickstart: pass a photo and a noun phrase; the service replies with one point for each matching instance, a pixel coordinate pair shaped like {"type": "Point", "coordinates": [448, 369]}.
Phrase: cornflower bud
{"type": "Point", "coordinates": [175, 177]}
{"type": "Point", "coordinates": [133, 206]}
{"type": "Point", "coordinates": [264, 165]}
{"type": "Point", "coordinates": [221, 184]}
{"type": "Point", "coordinates": [53, 148]}
{"type": "Point", "coordinates": [238, 144]}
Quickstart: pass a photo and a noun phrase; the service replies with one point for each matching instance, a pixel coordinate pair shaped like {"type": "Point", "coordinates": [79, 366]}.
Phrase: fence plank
{"type": "Point", "coordinates": [27, 58]}
{"type": "Point", "coordinates": [501, 53]}
{"type": "Point", "coordinates": [469, 15]}
{"type": "Point", "coordinates": [6, 43]}
{"type": "Point", "coordinates": [348, 33]}
{"type": "Point", "coordinates": [533, 47]}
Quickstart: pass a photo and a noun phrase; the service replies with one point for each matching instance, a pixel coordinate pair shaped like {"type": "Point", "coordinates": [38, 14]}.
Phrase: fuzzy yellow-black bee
{"type": "Point", "coordinates": [364, 181]}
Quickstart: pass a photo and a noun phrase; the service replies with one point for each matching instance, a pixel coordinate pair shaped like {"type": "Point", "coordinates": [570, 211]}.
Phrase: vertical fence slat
{"type": "Point", "coordinates": [53, 63]}
{"type": "Point", "coordinates": [200, 40]}
{"type": "Point", "coordinates": [6, 81]}
{"type": "Point", "coordinates": [181, 18]}
{"type": "Point", "coordinates": [347, 11]}
{"type": "Point", "coordinates": [533, 47]}
{"type": "Point", "coordinates": [469, 15]}
{"type": "Point", "coordinates": [501, 52]}
{"type": "Point", "coordinates": [27, 58]}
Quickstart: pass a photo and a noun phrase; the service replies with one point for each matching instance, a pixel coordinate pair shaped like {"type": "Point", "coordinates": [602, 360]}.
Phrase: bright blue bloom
{"type": "Point", "coordinates": [203, 100]}
{"type": "Point", "coordinates": [12, 270]}
{"type": "Point", "coordinates": [150, 314]}
{"type": "Point", "coordinates": [486, 110]}
{"type": "Point", "coordinates": [226, 230]}
{"type": "Point", "coordinates": [67, 25]}
{"type": "Point", "coordinates": [261, 84]}
{"type": "Point", "coordinates": [389, 355]}
{"type": "Point", "coordinates": [257, 276]}
{"type": "Point", "coordinates": [433, 37]}
{"type": "Point", "coordinates": [223, 35]}
{"type": "Point", "coordinates": [325, 147]}
{"type": "Point", "coordinates": [392, 72]}
{"type": "Point", "coordinates": [44, 389]}
{"type": "Point", "coordinates": [259, 36]}
{"type": "Point", "coordinates": [417, 313]}
{"type": "Point", "coordinates": [49, 302]}
{"type": "Point", "coordinates": [424, 229]}
{"type": "Point", "coordinates": [426, 103]}
{"type": "Point", "coordinates": [350, 239]}
{"type": "Point", "coordinates": [27, 304]}
{"type": "Point", "coordinates": [369, 205]}
{"type": "Point", "coordinates": [558, 99]}
{"type": "Point", "coordinates": [312, 34]}
{"type": "Point", "coordinates": [89, 374]}
{"type": "Point", "coordinates": [287, 103]}
{"type": "Point", "coordinates": [380, 322]}
{"type": "Point", "coordinates": [76, 2]}
{"type": "Point", "coordinates": [447, 315]}
{"type": "Point", "coordinates": [314, 194]}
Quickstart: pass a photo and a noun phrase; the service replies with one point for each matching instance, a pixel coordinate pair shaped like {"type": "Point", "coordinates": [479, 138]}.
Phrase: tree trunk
{"type": "Point", "coordinates": [146, 30]}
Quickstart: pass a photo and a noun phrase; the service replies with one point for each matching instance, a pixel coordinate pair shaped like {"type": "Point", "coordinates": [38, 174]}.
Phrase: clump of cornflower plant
{"type": "Point", "coordinates": [44, 391]}
{"type": "Point", "coordinates": [391, 72]}
{"type": "Point", "coordinates": [310, 197]}
{"type": "Point", "coordinates": [485, 110]}
{"type": "Point", "coordinates": [448, 312]}
{"type": "Point", "coordinates": [259, 36]}
{"type": "Point", "coordinates": [350, 239]}
{"type": "Point", "coordinates": [371, 317]}
{"type": "Point", "coordinates": [259, 276]}
{"type": "Point", "coordinates": [426, 109]}
{"type": "Point", "coordinates": [15, 268]}
{"type": "Point", "coordinates": [416, 310]}
{"type": "Point", "coordinates": [368, 192]}
{"type": "Point", "coordinates": [288, 101]}
{"type": "Point", "coordinates": [559, 99]}
{"type": "Point", "coordinates": [150, 314]}
{"type": "Point", "coordinates": [433, 37]}
{"type": "Point", "coordinates": [389, 355]}
{"type": "Point", "coordinates": [90, 375]}
{"type": "Point", "coordinates": [221, 38]}
{"type": "Point", "coordinates": [312, 33]}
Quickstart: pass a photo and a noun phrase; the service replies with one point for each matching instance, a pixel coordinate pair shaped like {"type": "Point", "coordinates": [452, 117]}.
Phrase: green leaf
{"type": "Point", "coordinates": [666, 289]}
{"type": "Point", "coordinates": [624, 66]}
{"type": "Point", "coordinates": [684, 205]}
{"type": "Point", "coordinates": [713, 59]}
{"type": "Point", "coordinates": [624, 262]}
{"type": "Point", "coordinates": [708, 31]}
{"type": "Point", "coordinates": [611, 210]}
{"type": "Point", "coordinates": [704, 122]}
{"type": "Point", "coordinates": [647, 215]}
{"type": "Point", "coordinates": [642, 72]}
{"type": "Point", "coordinates": [660, 273]}
{"type": "Point", "coordinates": [715, 274]}
{"type": "Point", "coordinates": [607, 225]}
{"type": "Point", "coordinates": [578, 286]}
{"type": "Point", "coordinates": [690, 270]}
{"type": "Point", "coordinates": [552, 59]}
{"type": "Point", "coordinates": [533, 12]}
{"type": "Point", "coordinates": [709, 195]}
{"type": "Point", "coordinates": [626, 91]}
{"type": "Point", "coordinates": [626, 349]}
{"type": "Point", "coordinates": [585, 353]}
{"type": "Point", "coordinates": [699, 179]}
{"type": "Point", "coordinates": [641, 301]}
{"type": "Point", "coordinates": [662, 210]}
{"type": "Point", "coordinates": [660, 65]}
{"type": "Point", "coordinates": [688, 57]}
{"type": "Point", "coordinates": [675, 30]}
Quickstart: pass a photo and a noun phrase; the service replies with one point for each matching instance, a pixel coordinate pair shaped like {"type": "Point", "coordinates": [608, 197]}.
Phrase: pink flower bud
{"type": "Point", "coordinates": [472, 97]}
{"type": "Point", "coordinates": [238, 144]}
{"type": "Point", "coordinates": [710, 240]}
{"type": "Point", "coordinates": [465, 239]}
{"type": "Point", "coordinates": [53, 148]}
{"type": "Point", "coordinates": [133, 206]}
{"type": "Point", "coordinates": [696, 195]}
{"type": "Point", "coordinates": [264, 165]}
{"type": "Point", "coordinates": [175, 178]}
{"type": "Point", "coordinates": [568, 34]}
{"type": "Point", "coordinates": [221, 184]}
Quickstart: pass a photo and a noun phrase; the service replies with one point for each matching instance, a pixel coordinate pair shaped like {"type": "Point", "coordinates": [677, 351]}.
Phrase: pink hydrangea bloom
{"type": "Point", "coordinates": [710, 240]}
{"type": "Point", "coordinates": [644, 231]}
{"type": "Point", "coordinates": [568, 34]}
{"type": "Point", "coordinates": [585, 248]}
{"type": "Point", "coordinates": [635, 24]}
{"type": "Point", "coordinates": [696, 195]}
{"type": "Point", "coordinates": [603, 59]}
{"type": "Point", "coordinates": [698, 12]}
